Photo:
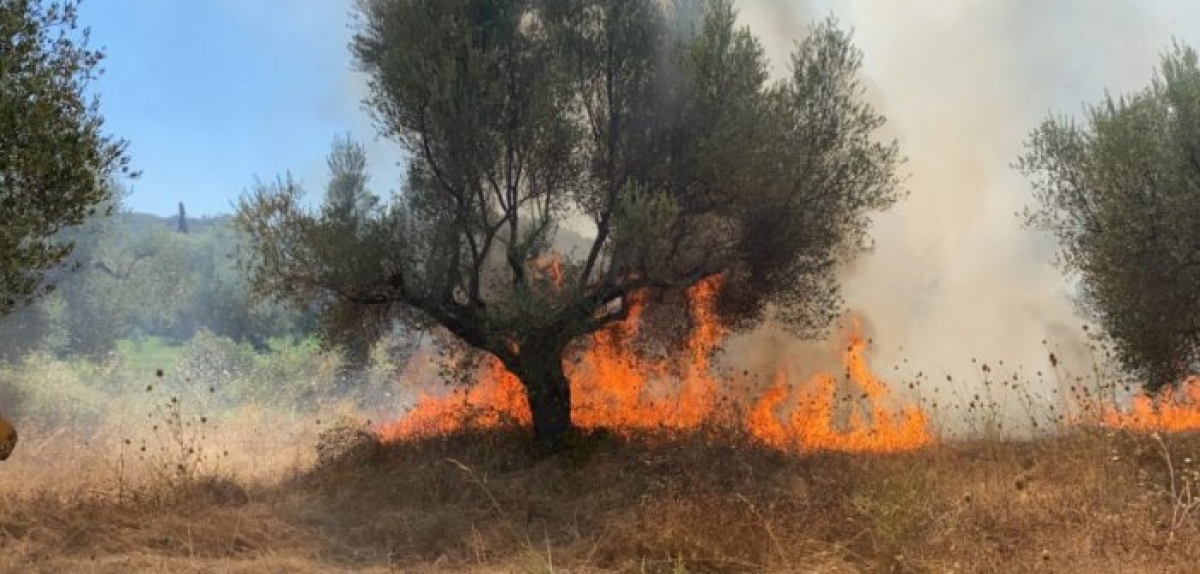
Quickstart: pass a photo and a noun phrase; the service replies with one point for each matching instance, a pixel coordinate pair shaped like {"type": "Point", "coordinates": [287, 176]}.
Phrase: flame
{"type": "Point", "coordinates": [550, 268]}
{"type": "Point", "coordinates": [1172, 410]}
{"type": "Point", "coordinates": [614, 387]}
{"type": "Point", "coordinates": [497, 400]}
{"type": "Point", "coordinates": [870, 425]}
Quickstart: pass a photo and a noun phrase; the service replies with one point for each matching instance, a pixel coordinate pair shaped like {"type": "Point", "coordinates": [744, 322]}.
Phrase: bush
{"type": "Point", "coordinates": [293, 374]}
{"type": "Point", "coordinates": [348, 442]}
{"type": "Point", "coordinates": [51, 392]}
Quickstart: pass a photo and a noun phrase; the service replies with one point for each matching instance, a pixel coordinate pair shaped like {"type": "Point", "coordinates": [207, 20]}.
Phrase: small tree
{"type": "Point", "coordinates": [351, 327]}
{"type": "Point", "coordinates": [347, 199]}
{"type": "Point", "coordinates": [181, 219]}
{"type": "Point", "coordinates": [1121, 194]}
{"type": "Point", "coordinates": [653, 125]}
{"type": "Point", "coordinates": [54, 157]}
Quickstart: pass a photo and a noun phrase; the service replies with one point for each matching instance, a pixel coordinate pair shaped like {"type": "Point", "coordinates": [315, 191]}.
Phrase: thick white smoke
{"type": "Point", "coordinates": [953, 276]}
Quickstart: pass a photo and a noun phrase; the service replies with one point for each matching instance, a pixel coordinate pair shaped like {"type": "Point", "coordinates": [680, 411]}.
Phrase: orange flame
{"type": "Point", "coordinates": [1172, 410]}
{"type": "Point", "coordinates": [550, 268]}
{"type": "Point", "coordinates": [869, 423]}
{"type": "Point", "coordinates": [614, 387]}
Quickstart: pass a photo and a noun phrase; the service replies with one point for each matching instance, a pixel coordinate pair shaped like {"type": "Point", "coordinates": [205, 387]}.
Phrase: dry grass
{"type": "Point", "coordinates": [1094, 501]}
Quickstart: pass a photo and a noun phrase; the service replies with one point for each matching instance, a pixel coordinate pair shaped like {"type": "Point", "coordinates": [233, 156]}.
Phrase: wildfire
{"type": "Point", "coordinates": [614, 387]}
{"type": "Point", "coordinates": [1172, 410]}
{"type": "Point", "coordinates": [870, 424]}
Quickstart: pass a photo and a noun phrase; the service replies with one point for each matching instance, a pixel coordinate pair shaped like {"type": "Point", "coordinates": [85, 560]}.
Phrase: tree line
{"type": "Point", "coordinates": [133, 275]}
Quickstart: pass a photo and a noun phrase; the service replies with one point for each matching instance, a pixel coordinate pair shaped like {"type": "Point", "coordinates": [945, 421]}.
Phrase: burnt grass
{"type": "Point", "coordinates": [706, 501]}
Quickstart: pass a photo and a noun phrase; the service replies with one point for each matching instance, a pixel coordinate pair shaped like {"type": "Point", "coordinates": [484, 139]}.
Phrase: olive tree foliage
{"type": "Point", "coordinates": [653, 125]}
{"type": "Point", "coordinates": [1120, 191]}
{"type": "Point", "coordinates": [348, 204]}
{"type": "Point", "coordinates": [55, 158]}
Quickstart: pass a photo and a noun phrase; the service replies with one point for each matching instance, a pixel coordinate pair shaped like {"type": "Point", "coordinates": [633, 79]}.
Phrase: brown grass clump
{"type": "Point", "coordinates": [476, 501]}
{"type": "Point", "coordinates": [348, 443]}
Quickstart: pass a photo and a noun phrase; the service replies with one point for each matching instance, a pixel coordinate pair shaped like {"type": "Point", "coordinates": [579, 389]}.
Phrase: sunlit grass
{"type": "Point", "coordinates": [148, 354]}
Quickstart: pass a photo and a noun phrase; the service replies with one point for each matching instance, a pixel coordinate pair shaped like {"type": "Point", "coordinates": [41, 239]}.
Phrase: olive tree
{"type": "Point", "coordinates": [55, 159]}
{"type": "Point", "coordinates": [1120, 191]}
{"type": "Point", "coordinates": [654, 127]}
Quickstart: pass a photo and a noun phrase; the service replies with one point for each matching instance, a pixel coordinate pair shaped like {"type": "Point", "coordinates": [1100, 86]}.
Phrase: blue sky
{"type": "Point", "coordinates": [212, 94]}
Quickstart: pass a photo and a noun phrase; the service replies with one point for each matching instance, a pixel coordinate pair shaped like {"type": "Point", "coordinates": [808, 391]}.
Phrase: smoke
{"type": "Point", "coordinates": [953, 276]}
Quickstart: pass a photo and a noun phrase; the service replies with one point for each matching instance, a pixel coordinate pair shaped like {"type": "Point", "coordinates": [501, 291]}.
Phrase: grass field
{"type": "Point", "coordinates": [122, 468]}
{"type": "Point", "coordinates": [270, 500]}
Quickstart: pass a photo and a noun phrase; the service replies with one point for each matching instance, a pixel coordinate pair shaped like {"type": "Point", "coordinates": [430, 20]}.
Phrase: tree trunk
{"type": "Point", "coordinates": [548, 392]}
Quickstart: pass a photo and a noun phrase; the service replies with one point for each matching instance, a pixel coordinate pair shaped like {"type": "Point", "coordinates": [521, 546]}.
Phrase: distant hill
{"type": "Point", "coordinates": [567, 240]}
{"type": "Point", "coordinates": [137, 222]}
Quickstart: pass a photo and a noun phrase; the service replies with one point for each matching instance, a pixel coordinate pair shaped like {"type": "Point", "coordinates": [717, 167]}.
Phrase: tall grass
{"type": "Point", "coordinates": [220, 465]}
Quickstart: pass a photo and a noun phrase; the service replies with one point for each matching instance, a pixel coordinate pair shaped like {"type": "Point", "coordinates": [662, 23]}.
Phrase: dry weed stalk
{"type": "Point", "coordinates": [1183, 487]}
